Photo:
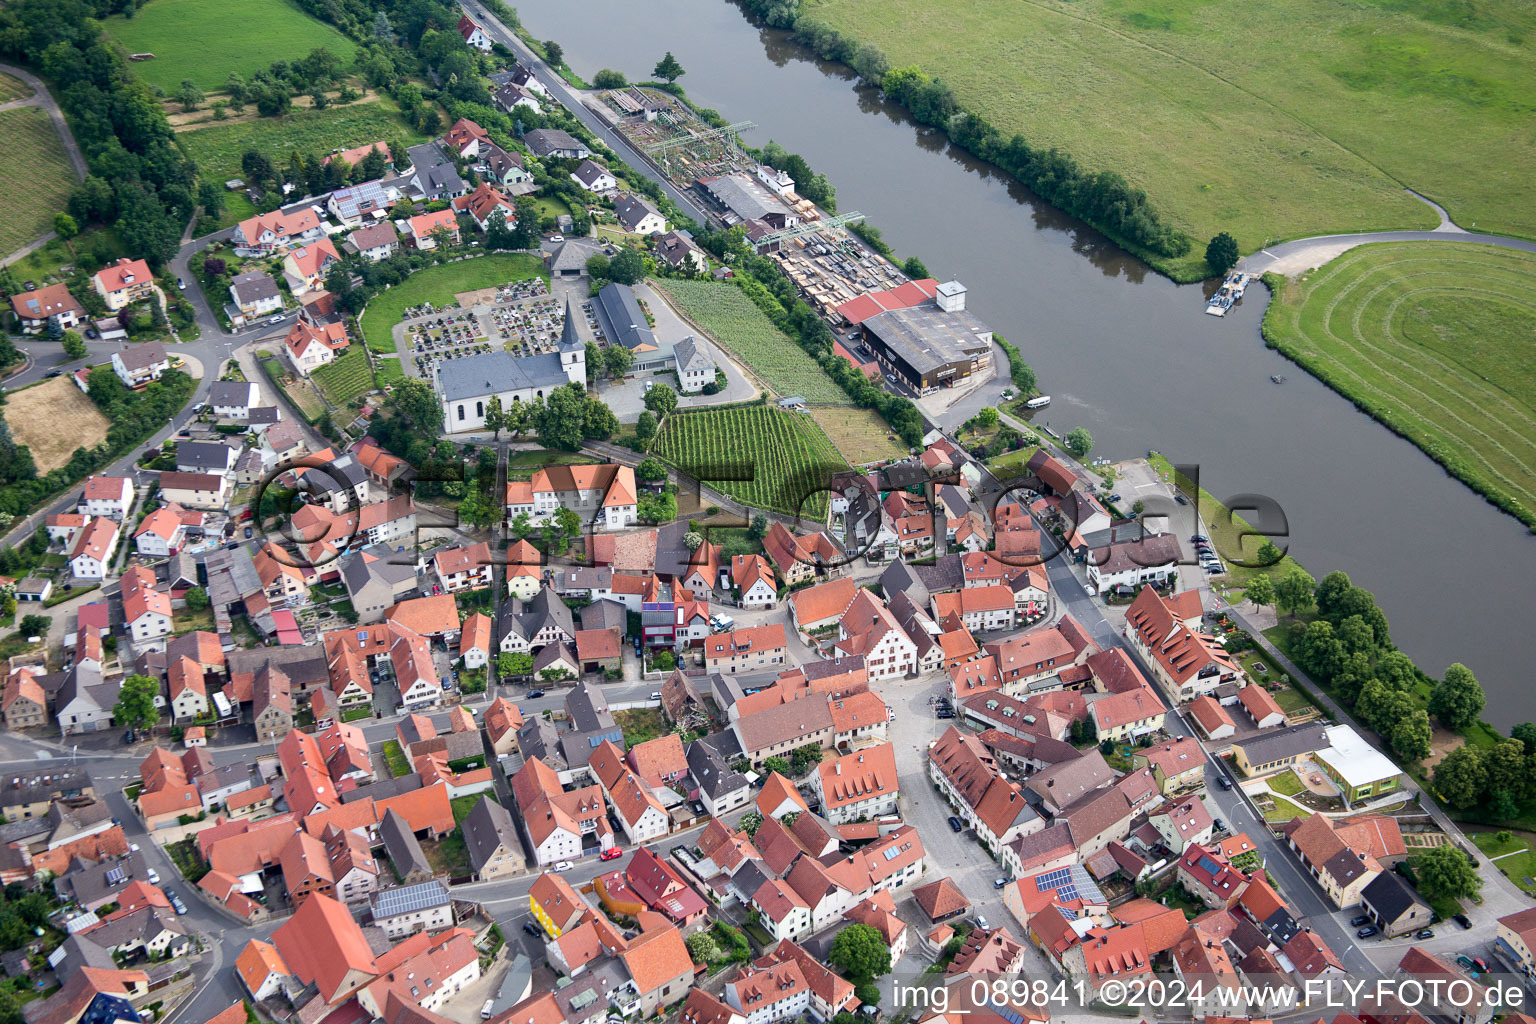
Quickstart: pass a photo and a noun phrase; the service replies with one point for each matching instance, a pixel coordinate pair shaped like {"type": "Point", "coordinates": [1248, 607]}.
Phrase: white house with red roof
{"type": "Point", "coordinates": [305, 267]}
{"type": "Point", "coordinates": [93, 549]}
{"type": "Point", "coordinates": [1183, 824]}
{"type": "Point", "coordinates": [138, 365]}
{"type": "Point", "coordinates": [309, 348]}
{"type": "Point", "coordinates": [269, 232]}
{"type": "Point", "coordinates": [417, 231]}
{"type": "Point", "coordinates": [753, 582]}
{"type": "Point", "coordinates": [473, 34]}
{"type": "Point", "coordinates": [146, 610]}
{"type": "Point", "coordinates": [64, 527]}
{"type": "Point", "coordinates": [36, 308]}
{"type": "Point", "coordinates": [467, 139]}
{"type": "Point", "coordinates": [123, 282]}
{"type": "Point", "coordinates": [482, 203]}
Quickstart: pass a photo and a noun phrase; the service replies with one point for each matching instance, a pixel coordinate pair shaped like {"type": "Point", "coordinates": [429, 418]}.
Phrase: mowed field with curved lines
{"type": "Point", "coordinates": [1438, 342]}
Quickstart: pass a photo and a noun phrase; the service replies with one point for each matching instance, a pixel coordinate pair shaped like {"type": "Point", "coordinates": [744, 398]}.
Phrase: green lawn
{"type": "Point", "coordinates": [1519, 864]}
{"type": "Point", "coordinates": [1435, 342]}
{"type": "Point", "coordinates": [218, 148]}
{"type": "Point", "coordinates": [1270, 121]}
{"type": "Point", "coordinates": [1284, 810]}
{"type": "Point", "coordinates": [1011, 465]}
{"type": "Point", "coordinates": [727, 315]}
{"type": "Point", "coordinates": [438, 285]}
{"type": "Point", "coordinates": [1286, 784]}
{"type": "Point", "coordinates": [761, 454]}
{"type": "Point", "coordinates": [35, 177]}
{"type": "Point", "coordinates": [204, 40]}
{"type": "Point", "coordinates": [641, 724]}
{"type": "Point", "coordinates": [395, 758]}
{"type": "Point", "coordinates": [523, 463]}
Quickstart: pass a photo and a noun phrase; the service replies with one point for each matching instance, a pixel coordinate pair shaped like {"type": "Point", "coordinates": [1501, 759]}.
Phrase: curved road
{"type": "Point", "coordinates": [42, 98]}
{"type": "Point", "coordinates": [1303, 254]}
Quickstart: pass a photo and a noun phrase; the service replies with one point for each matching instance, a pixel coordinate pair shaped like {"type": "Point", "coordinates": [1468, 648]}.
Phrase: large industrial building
{"type": "Point", "coordinates": [926, 337]}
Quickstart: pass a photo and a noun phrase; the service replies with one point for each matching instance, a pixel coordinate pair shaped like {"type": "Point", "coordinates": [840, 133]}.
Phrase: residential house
{"type": "Point", "coordinates": [1393, 905]}
{"type": "Point", "coordinates": [754, 649]}
{"type": "Point", "coordinates": [677, 249]}
{"type": "Point", "coordinates": [1127, 716]}
{"type": "Point", "coordinates": [146, 610]}
{"type": "Point", "coordinates": [752, 579]}
{"type": "Point", "coordinates": [409, 909]}
{"type": "Point", "coordinates": [967, 775]}
{"type": "Point", "coordinates": [433, 175]}
{"type": "Point", "coordinates": [418, 232]}
{"type": "Point", "coordinates": [270, 232]}
{"type": "Point", "coordinates": [491, 839]}
{"type": "Point", "coordinates": [305, 267]}
{"type": "Point", "coordinates": [1341, 870]}
{"type": "Point", "coordinates": [91, 556]}
{"type": "Point", "coordinates": [554, 143]}
{"type": "Point", "coordinates": [139, 364]}
{"type": "Point", "coordinates": [35, 309]}
{"type": "Point", "coordinates": [375, 242]}
{"type": "Point", "coordinates": [483, 203]}
{"type": "Point", "coordinates": [1177, 765]}
{"type": "Point", "coordinates": [821, 606]}
{"type": "Point", "coordinates": [1187, 663]}
{"type": "Point", "coordinates": [109, 496]}
{"type": "Point", "coordinates": [123, 282]}
{"type": "Point", "coordinates": [637, 216]}
{"type": "Point", "coordinates": [24, 704]}
{"type": "Point", "coordinates": [1207, 873]}
{"type": "Point", "coordinates": [857, 786]}
{"type": "Point", "coordinates": [196, 490]}
{"type": "Point", "coordinates": [1183, 824]}
{"type": "Point", "coordinates": [473, 34]}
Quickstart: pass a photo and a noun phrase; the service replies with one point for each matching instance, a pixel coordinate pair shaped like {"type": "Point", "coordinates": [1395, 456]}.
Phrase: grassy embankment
{"type": "Point", "coordinates": [1434, 343]}
{"type": "Point", "coordinates": [35, 176]}
{"type": "Point", "coordinates": [1248, 122]}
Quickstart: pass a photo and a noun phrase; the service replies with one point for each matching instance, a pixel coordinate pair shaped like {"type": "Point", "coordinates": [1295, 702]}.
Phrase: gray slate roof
{"type": "Point", "coordinates": [435, 175]}
{"type": "Point", "coordinates": [229, 393]}
{"type": "Point", "coordinates": [621, 316]}
{"type": "Point", "coordinates": [487, 828]}
{"type": "Point", "coordinates": [402, 846]}
{"type": "Point", "coordinates": [495, 372]}
{"type": "Point", "coordinates": [254, 286]}
{"type": "Point", "coordinates": [712, 771]}
{"type": "Point", "coordinates": [201, 455]}
{"type": "Point", "coordinates": [693, 354]}
{"type": "Point", "coordinates": [631, 210]}
{"type": "Point", "coordinates": [544, 141]}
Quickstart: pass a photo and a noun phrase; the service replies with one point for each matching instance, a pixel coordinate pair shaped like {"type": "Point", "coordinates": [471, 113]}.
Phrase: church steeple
{"type": "Point", "coordinates": [573, 351]}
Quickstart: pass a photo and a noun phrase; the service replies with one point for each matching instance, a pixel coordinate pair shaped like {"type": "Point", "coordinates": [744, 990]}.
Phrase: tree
{"type": "Point", "coordinates": [914, 268]}
{"type": "Point", "coordinates": [860, 953]}
{"type": "Point", "coordinates": [598, 421]}
{"type": "Point", "coordinates": [33, 625]}
{"type": "Point", "coordinates": [197, 599]}
{"type": "Point", "coordinates": [189, 95]}
{"type": "Point", "coordinates": [1261, 591]}
{"type": "Point", "coordinates": [661, 400]}
{"type": "Point", "coordinates": [617, 360]}
{"type": "Point", "coordinates": [693, 540]}
{"type": "Point", "coordinates": [1460, 777]}
{"type": "Point", "coordinates": [1507, 773]}
{"type": "Point", "coordinates": [1525, 732]}
{"type": "Point", "coordinates": [759, 527]}
{"type": "Point", "coordinates": [74, 345]}
{"type": "Point", "coordinates": [651, 470]}
{"type": "Point", "coordinates": [607, 78]}
{"type": "Point", "coordinates": [1294, 591]}
{"type": "Point", "coordinates": [1078, 442]}
{"type": "Point", "coordinates": [628, 267]}
{"type": "Point", "coordinates": [560, 421]}
{"type": "Point", "coordinates": [1445, 873]}
{"type": "Point", "coordinates": [1412, 736]}
{"type": "Point", "coordinates": [664, 661]}
{"type": "Point", "coordinates": [668, 69]}
{"type": "Point", "coordinates": [750, 823]}
{"type": "Point", "coordinates": [554, 53]}
{"type": "Point", "coordinates": [1269, 554]}
{"type": "Point", "coordinates": [1222, 253]}
{"type": "Point", "coordinates": [135, 707]}
{"type": "Point", "coordinates": [702, 947]}
{"type": "Point", "coordinates": [415, 400]}
{"type": "Point", "coordinates": [987, 417]}
{"type": "Point", "coordinates": [645, 426]}
{"type": "Point", "coordinates": [65, 227]}
{"type": "Point", "coordinates": [495, 419]}
{"type": "Point", "coordinates": [1457, 699]}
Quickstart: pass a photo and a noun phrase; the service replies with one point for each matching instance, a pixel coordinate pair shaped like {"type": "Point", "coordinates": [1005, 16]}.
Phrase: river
{"type": "Point", "coordinates": [1120, 349]}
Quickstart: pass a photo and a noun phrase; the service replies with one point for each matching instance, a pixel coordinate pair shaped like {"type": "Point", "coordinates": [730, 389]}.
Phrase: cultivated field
{"type": "Point", "coordinates": [1435, 341]}
{"type": "Point", "coordinates": [727, 315]}
{"type": "Point", "coordinates": [218, 148]}
{"type": "Point", "coordinates": [205, 40]}
{"type": "Point", "coordinates": [53, 419]}
{"type": "Point", "coordinates": [760, 454]}
{"type": "Point", "coordinates": [35, 177]}
{"type": "Point", "coordinates": [346, 378]}
{"type": "Point", "coordinates": [13, 89]}
{"type": "Point", "coordinates": [1269, 121]}
{"type": "Point", "coordinates": [860, 434]}
{"type": "Point", "coordinates": [438, 285]}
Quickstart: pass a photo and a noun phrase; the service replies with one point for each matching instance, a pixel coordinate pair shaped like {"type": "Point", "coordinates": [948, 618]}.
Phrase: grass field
{"type": "Point", "coordinates": [217, 149]}
{"type": "Point", "coordinates": [35, 176]}
{"type": "Point", "coordinates": [760, 454]}
{"type": "Point", "coordinates": [728, 316]}
{"type": "Point", "coordinates": [1515, 857]}
{"type": "Point", "coordinates": [53, 419]}
{"type": "Point", "coordinates": [438, 285]}
{"type": "Point", "coordinates": [860, 434]}
{"type": "Point", "coordinates": [344, 379]}
{"type": "Point", "coordinates": [205, 40]}
{"type": "Point", "coordinates": [1435, 342]}
{"type": "Point", "coordinates": [1270, 121]}
{"type": "Point", "coordinates": [13, 89]}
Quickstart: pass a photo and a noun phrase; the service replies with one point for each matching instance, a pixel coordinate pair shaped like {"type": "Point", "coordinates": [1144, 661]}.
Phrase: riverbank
{"type": "Point", "coordinates": [1429, 341]}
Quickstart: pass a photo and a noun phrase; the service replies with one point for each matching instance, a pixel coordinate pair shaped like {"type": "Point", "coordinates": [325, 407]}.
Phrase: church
{"type": "Point", "coordinates": [468, 385]}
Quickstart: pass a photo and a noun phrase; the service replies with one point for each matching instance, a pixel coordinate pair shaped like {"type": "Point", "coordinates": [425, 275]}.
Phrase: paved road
{"type": "Point", "coordinates": [572, 101]}
{"type": "Point", "coordinates": [1302, 254]}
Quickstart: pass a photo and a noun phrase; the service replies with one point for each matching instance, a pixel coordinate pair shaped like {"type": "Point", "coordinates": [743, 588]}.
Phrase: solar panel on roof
{"type": "Point", "coordinates": [115, 876]}
{"type": "Point", "coordinates": [391, 902]}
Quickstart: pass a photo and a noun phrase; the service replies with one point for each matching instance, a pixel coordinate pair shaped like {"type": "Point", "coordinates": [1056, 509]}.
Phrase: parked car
{"type": "Point", "coordinates": [998, 883]}
{"type": "Point", "coordinates": [275, 320]}
{"type": "Point", "coordinates": [176, 904]}
{"type": "Point", "coordinates": [557, 238]}
{"type": "Point", "coordinates": [981, 921]}
{"type": "Point", "coordinates": [153, 876]}
{"type": "Point", "coordinates": [564, 865]}
{"type": "Point", "coordinates": [1424, 933]}
{"type": "Point", "coordinates": [656, 695]}
{"type": "Point", "coordinates": [535, 694]}
{"type": "Point", "coordinates": [1464, 962]}
{"type": "Point", "coordinates": [1224, 782]}
{"type": "Point", "coordinates": [612, 853]}
{"type": "Point", "coordinates": [532, 929]}
{"type": "Point", "coordinates": [1359, 919]}
{"type": "Point", "coordinates": [1462, 920]}
{"type": "Point", "coordinates": [180, 284]}
{"type": "Point", "coordinates": [1180, 498]}
{"type": "Point", "coordinates": [1366, 932]}
{"type": "Point", "coordinates": [248, 532]}
{"type": "Point", "coordinates": [1480, 964]}
{"type": "Point", "coordinates": [1197, 538]}
{"type": "Point", "coordinates": [955, 824]}
{"type": "Point", "coordinates": [53, 373]}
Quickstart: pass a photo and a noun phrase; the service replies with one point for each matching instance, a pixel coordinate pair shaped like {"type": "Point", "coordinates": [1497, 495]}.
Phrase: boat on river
{"type": "Point", "coordinates": [1230, 291]}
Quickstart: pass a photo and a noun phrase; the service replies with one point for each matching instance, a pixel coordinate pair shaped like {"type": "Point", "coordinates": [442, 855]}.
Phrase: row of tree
{"type": "Point", "coordinates": [1103, 198]}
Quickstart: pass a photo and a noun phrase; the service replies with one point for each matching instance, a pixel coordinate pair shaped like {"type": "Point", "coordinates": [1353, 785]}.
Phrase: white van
{"type": "Point", "coordinates": [488, 1009]}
